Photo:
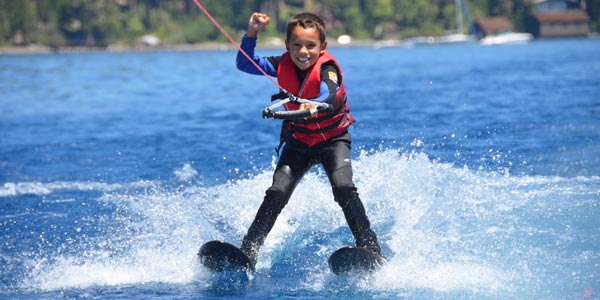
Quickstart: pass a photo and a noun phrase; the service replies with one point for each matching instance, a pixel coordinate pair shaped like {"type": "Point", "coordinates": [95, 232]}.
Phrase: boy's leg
{"type": "Point", "coordinates": [291, 167]}
{"type": "Point", "coordinates": [337, 163]}
{"type": "Point", "coordinates": [357, 219]}
{"type": "Point", "coordinates": [265, 218]}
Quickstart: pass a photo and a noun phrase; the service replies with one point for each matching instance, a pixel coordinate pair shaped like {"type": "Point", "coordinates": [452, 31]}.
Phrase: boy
{"type": "Point", "coordinates": [307, 70]}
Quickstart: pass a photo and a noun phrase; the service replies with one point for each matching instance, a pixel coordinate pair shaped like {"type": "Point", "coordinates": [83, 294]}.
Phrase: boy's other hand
{"type": "Point", "coordinates": [258, 22]}
{"type": "Point", "coordinates": [308, 106]}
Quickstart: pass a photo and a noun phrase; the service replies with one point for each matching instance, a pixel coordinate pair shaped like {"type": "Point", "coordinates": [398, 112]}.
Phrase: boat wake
{"type": "Point", "coordinates": [443, 228]}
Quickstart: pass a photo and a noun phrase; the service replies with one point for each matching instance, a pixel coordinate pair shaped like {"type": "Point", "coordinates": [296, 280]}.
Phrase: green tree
{"type": "Point", "coordinates": [593, 10]}
{"type": "Point", "coordinates": [18, 20]}
{"type": "Point", "coordinates": [103, 22]}
{"type": "Point", "coordinates": [500, 7]}
{"type": "Point", "coordinates": [355, 22]}
{"type": "Point", "coordinates": [417, 17]}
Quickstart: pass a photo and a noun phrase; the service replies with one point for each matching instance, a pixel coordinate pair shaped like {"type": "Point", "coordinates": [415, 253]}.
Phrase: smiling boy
{"type": "Point", "coordinates": [309, 71]}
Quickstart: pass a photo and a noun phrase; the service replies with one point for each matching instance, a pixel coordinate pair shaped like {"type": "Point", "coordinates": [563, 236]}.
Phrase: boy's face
{"type": "Point", "coordinates": [305, 47]}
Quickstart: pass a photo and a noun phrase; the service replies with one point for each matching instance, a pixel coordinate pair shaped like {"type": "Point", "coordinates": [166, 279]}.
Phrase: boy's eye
{"type": "Point", "coordinates": [308, 46]}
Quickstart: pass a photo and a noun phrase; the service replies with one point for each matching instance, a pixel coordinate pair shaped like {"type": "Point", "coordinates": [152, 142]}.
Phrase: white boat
{"type": "Point", "coordinates": [455, 38]}
{"type": "Point", "coordinates": [506, 38]}
{"type": "Point", "coordinates": [393, 44]}
{"type": "Point", "coordinates": [458, 36]}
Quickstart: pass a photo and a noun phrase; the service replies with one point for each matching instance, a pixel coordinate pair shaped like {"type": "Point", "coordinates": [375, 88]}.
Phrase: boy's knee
{"type": "Point", "coordinates": [276, 197]}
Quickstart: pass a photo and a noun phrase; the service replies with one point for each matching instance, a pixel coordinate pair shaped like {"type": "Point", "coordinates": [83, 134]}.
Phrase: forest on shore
{"type": "Point", "coordinates": [98, 23]}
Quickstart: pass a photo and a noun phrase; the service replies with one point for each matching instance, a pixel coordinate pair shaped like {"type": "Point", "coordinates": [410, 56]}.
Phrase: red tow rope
{"type": "Point", "coordinates": [234, 42]}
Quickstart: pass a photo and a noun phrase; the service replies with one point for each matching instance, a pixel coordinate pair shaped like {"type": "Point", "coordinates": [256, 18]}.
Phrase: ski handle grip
{"type": "Point", "coordinates": [268, 113]}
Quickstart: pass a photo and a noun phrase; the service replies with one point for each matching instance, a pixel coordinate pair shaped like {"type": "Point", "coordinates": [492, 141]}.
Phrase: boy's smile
{"type": "Point", "coordinates": [305, 47]}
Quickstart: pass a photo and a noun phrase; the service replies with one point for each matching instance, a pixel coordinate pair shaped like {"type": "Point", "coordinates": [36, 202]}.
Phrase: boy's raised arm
{"type": "Point", "coordinates": [257, 23]}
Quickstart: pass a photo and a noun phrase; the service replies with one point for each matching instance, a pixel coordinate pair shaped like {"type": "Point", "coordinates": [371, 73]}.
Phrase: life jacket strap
{"type": "Point", "coordinates": [320, 130]}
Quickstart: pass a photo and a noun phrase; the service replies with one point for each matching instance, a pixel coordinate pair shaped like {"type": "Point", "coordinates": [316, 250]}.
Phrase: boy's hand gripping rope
{"type": "Point", "coordinates": [269, 112]}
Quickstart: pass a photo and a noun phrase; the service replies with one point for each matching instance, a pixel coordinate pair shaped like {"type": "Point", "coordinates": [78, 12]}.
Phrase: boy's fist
{"type": "Point", "coordinates": [257, 22]}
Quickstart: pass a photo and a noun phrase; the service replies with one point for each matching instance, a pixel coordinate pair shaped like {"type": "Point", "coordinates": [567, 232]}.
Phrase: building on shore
{"type": "Point", "coordinates": [493, 26]}
{"type": "Point", "coordinates": [558, 18]}
{"type": "Point", "coordinates": [572, 23]}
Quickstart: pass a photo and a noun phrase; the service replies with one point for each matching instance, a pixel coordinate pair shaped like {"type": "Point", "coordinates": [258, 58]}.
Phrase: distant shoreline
{"type": "Point", "coordinates": [39, 49]}
{"type": "Point", "coordinates": [207, 46]}
{"type": "Point", "coordinates": [268, 43]}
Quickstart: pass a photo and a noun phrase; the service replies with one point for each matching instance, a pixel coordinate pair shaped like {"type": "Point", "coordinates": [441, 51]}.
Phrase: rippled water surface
{"type": "Point", "coordinates": [479, 168]}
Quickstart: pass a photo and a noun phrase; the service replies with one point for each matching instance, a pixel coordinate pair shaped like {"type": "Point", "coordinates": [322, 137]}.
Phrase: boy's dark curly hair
{"type": "Point", "coordinates": [307, 20]}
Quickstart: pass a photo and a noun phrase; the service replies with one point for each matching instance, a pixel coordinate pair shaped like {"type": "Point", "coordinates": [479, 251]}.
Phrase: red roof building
{"type": "Point", "coordinates": [568, 23]}
{"type": "Point", "coordinates": [493, 25]}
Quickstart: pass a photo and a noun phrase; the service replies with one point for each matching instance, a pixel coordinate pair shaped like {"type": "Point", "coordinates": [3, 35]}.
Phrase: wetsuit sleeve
{"type": "Point", "coordinates": [329, 84]}
{"type": "Point", "coordinates": [243, 64]}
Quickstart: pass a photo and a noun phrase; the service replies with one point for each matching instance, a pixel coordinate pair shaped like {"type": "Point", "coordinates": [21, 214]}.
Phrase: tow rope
{"type": "Point", "coordinates": [212, 19]}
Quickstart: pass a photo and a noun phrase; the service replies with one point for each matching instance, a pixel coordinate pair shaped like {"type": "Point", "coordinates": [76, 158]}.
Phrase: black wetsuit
{"type": "Point", "coordinates": [296, 159]}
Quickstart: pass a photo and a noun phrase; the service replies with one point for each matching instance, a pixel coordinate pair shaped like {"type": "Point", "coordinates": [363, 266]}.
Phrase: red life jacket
{"type": "Point", "coordinates": [322, 127]}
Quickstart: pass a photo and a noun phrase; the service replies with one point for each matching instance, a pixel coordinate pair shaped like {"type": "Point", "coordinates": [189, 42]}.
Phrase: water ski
{"type": "Point", "coordinates": [221, 256]}
{"type": "Point", "coordinates": [348, 259]}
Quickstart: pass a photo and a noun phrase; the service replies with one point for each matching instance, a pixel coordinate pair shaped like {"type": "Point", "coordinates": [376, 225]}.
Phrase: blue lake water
{"type": "Point", "coordinates": [479, 168]}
